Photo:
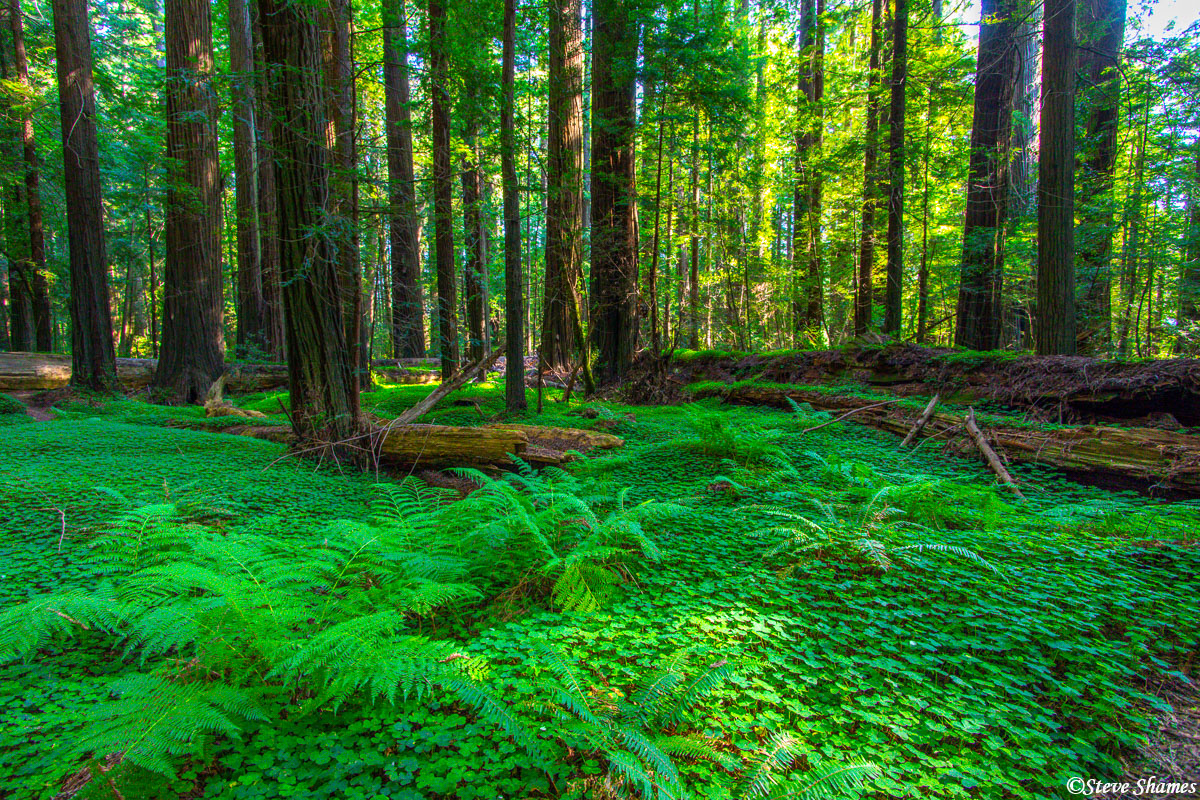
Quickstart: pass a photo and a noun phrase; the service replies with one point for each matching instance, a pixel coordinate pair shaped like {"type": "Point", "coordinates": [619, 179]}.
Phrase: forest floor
{"type": "Point", "coordinates": [1015, 646]}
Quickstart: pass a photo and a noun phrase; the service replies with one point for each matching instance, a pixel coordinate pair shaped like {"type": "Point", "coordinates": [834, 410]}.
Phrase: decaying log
{"type": "Point", "coordinates": [1166, 460]}
{"type": "Point", "coordinates": [989, 455]}
{"type": "Point", "coordinates": [45, 371]}
{"type": "Point", "coordinates": [442, 445]}
{"type": "Point", "coordinates": [922, 422]}
{"type": "Point", "coordinates": [569, 438]}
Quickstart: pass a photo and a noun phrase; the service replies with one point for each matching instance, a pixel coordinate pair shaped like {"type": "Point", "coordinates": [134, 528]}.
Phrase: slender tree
{"type": "Point", "coordinates": [1102, 29]}
{"type": "Point", "coordinates": [1055, 331]}
{"type": "Point", "coordinates": [514, 309]}
{"type": "Point", "coordinates": [614, 216]}
{"type": "Point", "coordinates": [979, 294]}
{"type": "Point", "coordinates": [35, 289]}
{"type": "Point", "coordinates": [93, 361]}
{"type": "Point", "coordinates": [251, 335]}
{"type": "Point", "coordinates": [863, 300]}
{"type": "Point", "coordinates": [807, 305]}
{"type": "Point", "coordinates": [1189, 282]}
{"type": "Point", "coordinates": [193, 344]}
{"type": "Point", "coordinates": [475, 263]}
{"type": "Point", "coordinates": [338, 59]}
{"type": "Point", "coordinates": [561, 324]}
{"type": "Point", "coordinates": [268, 203]}
{"type": "Point", "coordinates": [320, 377]}
{"type": "Point", "coordinates": [443, 216]}
{"type": "Point", "coordinates": [894, 296]}
{"type": "Point", "coordinates": [408, 322]}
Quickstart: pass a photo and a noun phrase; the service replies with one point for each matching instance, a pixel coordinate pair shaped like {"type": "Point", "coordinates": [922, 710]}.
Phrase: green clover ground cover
{"type": "Point", "coordinates": [957, 681]}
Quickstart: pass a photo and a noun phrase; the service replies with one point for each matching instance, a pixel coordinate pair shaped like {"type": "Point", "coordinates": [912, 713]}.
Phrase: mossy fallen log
{"type": "Point", "coordinates": [45, 371]}
{"type": "Point", "coordinates": [1165, 460]}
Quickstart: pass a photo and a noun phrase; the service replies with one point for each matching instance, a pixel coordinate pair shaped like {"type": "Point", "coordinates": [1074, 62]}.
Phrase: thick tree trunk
{"type": "Point", "coordinates": [564, 183]}
{"type": "Point", "coordinates": [1102, 28]}
{"type": "Point", "coordinates": [1056, 184]}
{"type": "Point", "coordinates": [863, 300]}
{"type": "Point", "coordinates": [38, 287]}
{"type": "Point", "coordinates": [408, 320]}
{"type": "Point", "coordinates": [320, 377]}
{"type": "Point", "coordinates": [343, 182]}
{"type": "Point", "coordinates": [475, 265]}
{"type": "Point", "coordinates": [92, 354]}
{"type": "Point", "coordinates": [251, 338]}
{"type": "Point", "coordinates": [614, 219]}
{"type": "Point", "coordinates": [980, 311]}
{"type": "Point", "coordinates": [807, 305]}
{"type": "Point", "coordinates": [193, 346]}
{"type": "Point", "coordinates": [443, 215]}
{"type": "Point", "coordinates": [514, 290]}
{"type": "Point", "coordinates": [895, 236]}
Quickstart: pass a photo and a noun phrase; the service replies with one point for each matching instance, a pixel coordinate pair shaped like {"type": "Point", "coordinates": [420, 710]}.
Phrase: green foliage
{"type": "Point", "coordinates": [709, 431]}
{"type": "Point", "coordinates": [10, 405]}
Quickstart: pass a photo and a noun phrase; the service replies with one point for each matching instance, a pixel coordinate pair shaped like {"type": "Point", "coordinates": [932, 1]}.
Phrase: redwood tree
{"type": "Point", "coordinates": [561, 326]}
{"type": "Point", "coordinates": [514, 309]}
{"type": "Point", "coordinates": [251, 336]}
{"type": "Point", "coordinates": [408, 322]}
{"type": "Point", "coordinates": [893, 299]}
{"type": "Point", "coordinates": [34, 288]}
{"type": "Point", "coordinates": [1102, 28]}
{"type": "Point", "coordinates": [322, 392]}
{"type": "Point", "coordinates": [1055, 330]}
{"type": "Point", "coordinates": [614, 315]}
{"type": "Point", "coordinates": [443, 214]}
{"type": "Point", "coordinates": [93, 362]}
{"type": "Point", "coordinates": [980, 313]}
{"type": "Point", "coordinates": [863, 300]}
{"type": "Point", "coordinates": [806, 228]}
{"type": "Point", "coordinates": [193, 344]}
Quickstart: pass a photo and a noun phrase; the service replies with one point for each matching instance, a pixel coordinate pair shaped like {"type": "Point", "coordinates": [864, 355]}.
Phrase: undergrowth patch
{"type": "Point", "coordinates": [995, 677]}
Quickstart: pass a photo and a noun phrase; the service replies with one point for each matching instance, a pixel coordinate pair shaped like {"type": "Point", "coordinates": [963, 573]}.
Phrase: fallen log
{"type": "Point", "coordinates": [565, 438]}
{"type": "Point", "coordinates": [1162, 460]}
{"type": "Point", "coordinates": [46, 371]}
{"type": "Point", "coordinates": [922, 422]}
{"type": "Point", "coordinates": [455, 381]}
{"type": "Point", "coordinates": [443, 445]}
{"type": "Point", "coordinates": [993, 460]}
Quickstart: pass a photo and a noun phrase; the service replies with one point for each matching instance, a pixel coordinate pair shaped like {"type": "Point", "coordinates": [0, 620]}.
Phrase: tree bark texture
{"type": "Point", "coordinates": [807, 306]}
{"type": "Point", "coordinates": [863, 300]}
{"type": "Point", "coordinates": [564, 189]}
{"type": "Point", "coordinates": [894, 297]}
{"type": "Point", "coordinates": [1055, 330]}
{"type": "Point", "coordinates": [980, 312]}
{"type": "Point", "coordinates": [408, 321]}
{"type": "Point", "coordinates": [92, 352]}
{"type": "Point", "coordinates": [443, 214]}
{"type": "Point", "coordinates": [614, 315]}
{"type": "Point", "coordinates": [251, 337]}
{"type": "Point", "coordinates": [475, 264]}
{"type": "Point", "coordinates": [514, 290]}
{"type": "Point", "coordinates": [193, 343]}
{"type": "Point", "coordinates": [319, 373]}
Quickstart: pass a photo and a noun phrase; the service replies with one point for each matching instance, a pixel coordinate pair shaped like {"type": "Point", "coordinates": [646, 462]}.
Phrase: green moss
{"type": "Point", "coordinates": [10, 405]}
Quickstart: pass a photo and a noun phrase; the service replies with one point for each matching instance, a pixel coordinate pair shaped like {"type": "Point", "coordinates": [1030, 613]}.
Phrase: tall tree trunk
{"type": "Point", "coordinates": [193, 346]}
{"type": "Point", "coordinates": [652, 277]}
{"type": "Point", "coordinates": [1056, 184]}
{"type": "Point", "coordinates": [1022, 179]}
{"type": "Point", "coordinates": [319, 368]}
{"type": "Point", "coordinates": [614, 220]}
{"type": "Point", "coordinates": [251, 337]}
{"type": "Point", "coordinates": [980, 311]}
{"type": "Point", "coordinates": [514, 310]}
{"type": "Point", "coordinates": [443, 217]}
{"type": "Point", "coordinates": [807, 305]}
{"type": "Point", "coordinates": [863, 300]}
{"type": "Point", "coordinates": [1132, 248]}
{"type": "Point", "coordinates": [475, 266]}
{"type": "Point", "coordinates": [268, 203]}
{"type": "Point", "coordinates": [1189, 281]}
{"type": "Point", "coordinates": [895, 237]}
{"type": "Point", "coordinates": [564, 182]}
{"type": "Point", "coordinates": [93, 361]}
{"type": "Point", "coordinates": [35, 269]}
{"type": "Point", "coordinates": [1102, 29]}
{"type": "Point", "coordinates": [408, 321]}
{"type": "Point", "coordinates": [343, 184]}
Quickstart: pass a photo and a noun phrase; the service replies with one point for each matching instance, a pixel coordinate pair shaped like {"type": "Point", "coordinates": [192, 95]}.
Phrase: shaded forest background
{"type": "Point", "coordinates": [787, 195]}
